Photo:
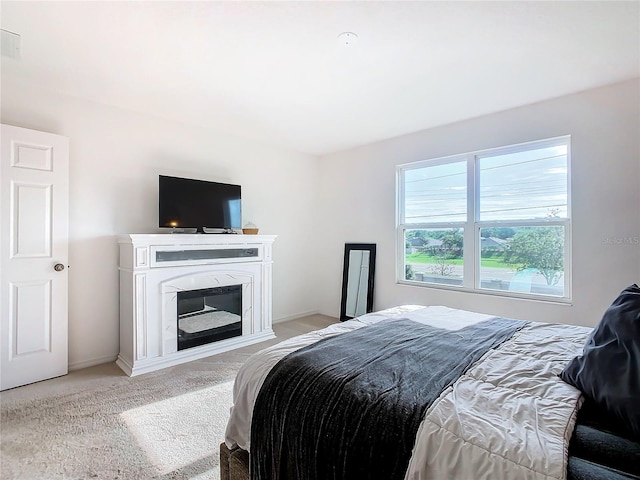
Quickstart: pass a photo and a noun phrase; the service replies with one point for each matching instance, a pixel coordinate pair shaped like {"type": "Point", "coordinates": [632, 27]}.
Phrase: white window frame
{"type": "Point", "coordinates": [472, 226]}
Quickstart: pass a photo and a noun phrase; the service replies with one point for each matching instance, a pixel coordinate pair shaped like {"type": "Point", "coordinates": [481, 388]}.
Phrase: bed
{"type": "Point", "coordinates": [417, 392]}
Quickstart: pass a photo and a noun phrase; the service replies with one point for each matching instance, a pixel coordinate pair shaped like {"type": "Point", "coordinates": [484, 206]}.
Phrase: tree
{"type": "Point", "coordinates": [423, 234]}
{"type": "Point", "coordinates": [441, 267]}
{"type": "Point", "coordinates": [452, 244]}
{"type": "Point", "coordinates": [498, 232]}
{"type": "Point", "coordinates": [409, 274]}
{"type": "Point", "coordinates": [540, 248]}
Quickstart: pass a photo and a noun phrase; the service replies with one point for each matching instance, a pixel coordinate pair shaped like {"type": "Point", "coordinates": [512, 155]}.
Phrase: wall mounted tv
{"type": "Point", "coordinates": [199, 204]}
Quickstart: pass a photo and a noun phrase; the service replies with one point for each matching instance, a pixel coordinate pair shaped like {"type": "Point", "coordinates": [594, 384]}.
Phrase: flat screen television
{"type": "Point", "coordinates": [199, 204]}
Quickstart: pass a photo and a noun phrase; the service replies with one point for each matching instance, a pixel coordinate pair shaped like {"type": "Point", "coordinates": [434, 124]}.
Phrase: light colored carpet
{"type": "Point", "coordinates": [99, 423]}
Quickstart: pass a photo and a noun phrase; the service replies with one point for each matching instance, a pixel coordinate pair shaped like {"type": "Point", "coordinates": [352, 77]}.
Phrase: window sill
{"type": "Point", "coordinates": [495, 293]}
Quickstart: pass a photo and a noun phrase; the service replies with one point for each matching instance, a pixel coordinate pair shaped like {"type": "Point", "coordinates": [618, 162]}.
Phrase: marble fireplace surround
{"type": "Point", "coordinates": [154, 268]}
{"type": "Point", "coordinates": [196, 281]}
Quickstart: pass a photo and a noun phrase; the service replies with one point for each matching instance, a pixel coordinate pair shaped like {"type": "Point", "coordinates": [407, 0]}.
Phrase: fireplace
{"type": "Point", "coordinates": [208, 315]}
{"type": "Point", "coordinates": [185, 297]}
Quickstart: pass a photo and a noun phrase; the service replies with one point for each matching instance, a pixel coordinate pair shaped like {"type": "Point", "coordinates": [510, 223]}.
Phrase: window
{"type": "Point", "coordinates": [492, 221]}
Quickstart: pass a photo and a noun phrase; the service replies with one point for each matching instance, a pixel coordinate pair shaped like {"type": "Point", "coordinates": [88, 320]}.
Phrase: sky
{"type": "Point", "coordinates": [513, 186]}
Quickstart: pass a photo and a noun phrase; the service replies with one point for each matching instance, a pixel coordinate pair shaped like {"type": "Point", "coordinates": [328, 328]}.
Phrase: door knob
{"type": "Point", "coordinates": [58, 267]}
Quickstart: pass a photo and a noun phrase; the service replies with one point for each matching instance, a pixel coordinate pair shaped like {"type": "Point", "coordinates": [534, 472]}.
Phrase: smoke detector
{"type": "Point", "coordinates": [348, 38]}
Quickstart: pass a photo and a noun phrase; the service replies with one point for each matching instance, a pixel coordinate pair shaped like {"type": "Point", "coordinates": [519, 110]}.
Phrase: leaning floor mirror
{"type": "Point", "coordinates": [357, 279]}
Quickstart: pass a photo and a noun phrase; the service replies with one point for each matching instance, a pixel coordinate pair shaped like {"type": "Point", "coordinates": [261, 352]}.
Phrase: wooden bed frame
{"type": "Point", "coordinates": [234, 464]}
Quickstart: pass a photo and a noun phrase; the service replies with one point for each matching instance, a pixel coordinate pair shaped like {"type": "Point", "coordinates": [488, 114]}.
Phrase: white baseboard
{"type": "Point", "coordinates": [295, 316]}
{"type": "Point", "coordinates": [332, 313]}
{"type": "Point", "coordinates": [93, 362]}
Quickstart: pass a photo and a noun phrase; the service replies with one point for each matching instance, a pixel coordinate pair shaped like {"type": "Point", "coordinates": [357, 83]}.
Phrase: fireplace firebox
{"type": "Point", "coordinates": [209, 315]}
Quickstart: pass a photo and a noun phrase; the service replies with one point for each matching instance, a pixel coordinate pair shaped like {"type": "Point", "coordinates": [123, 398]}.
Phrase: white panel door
{"type": "Point", "coordinates": [34, 204]}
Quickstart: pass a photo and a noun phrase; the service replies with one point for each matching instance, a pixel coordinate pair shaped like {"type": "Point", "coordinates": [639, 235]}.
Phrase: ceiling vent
{"type": "Point", "coordinates": [10, 44]}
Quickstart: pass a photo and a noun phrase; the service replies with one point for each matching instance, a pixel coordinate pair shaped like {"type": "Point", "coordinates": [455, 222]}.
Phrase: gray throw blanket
{"type": "Point", "coordinates": [348, 407]}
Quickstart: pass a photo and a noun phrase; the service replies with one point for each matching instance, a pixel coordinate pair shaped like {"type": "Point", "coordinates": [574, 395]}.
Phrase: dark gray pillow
{"type": "Point", "coordinates": [608, 371]}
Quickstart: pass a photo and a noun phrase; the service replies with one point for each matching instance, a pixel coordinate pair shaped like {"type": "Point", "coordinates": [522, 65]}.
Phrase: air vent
{"type": "Point", "coordinates": [10, 44]}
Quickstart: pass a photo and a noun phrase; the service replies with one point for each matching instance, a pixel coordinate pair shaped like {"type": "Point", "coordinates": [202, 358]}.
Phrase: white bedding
{"type": "Point", "coordinates": [509, 416]}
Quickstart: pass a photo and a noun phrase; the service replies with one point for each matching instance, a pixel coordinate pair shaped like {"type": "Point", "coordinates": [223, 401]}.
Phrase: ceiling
{"type": "Point", "coordinates": [276, 72]}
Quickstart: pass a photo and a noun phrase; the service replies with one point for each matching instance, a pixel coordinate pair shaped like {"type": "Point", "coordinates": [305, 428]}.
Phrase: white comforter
{"type": "Point", "coordinates": [509, 416]}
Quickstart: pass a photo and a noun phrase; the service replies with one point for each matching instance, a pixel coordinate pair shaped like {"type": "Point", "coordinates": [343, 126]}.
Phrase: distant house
{"type": "Point", "coordinates": [415, 245]}
{"type": "Point", "coordinates": [493, 243]}
{"type": "Point", "coordinates": [429, 245]}
{"type": "Point", "coordinates": [422, 245]}
{"type": "Point", "coordinates": [416, 242]}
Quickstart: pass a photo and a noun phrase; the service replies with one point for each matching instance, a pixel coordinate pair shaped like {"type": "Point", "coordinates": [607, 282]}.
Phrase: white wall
{"type": "Point", "coordinates": [315, 208]}
{"type": "Point", "coordinates": [115, 158]}
{"type": "Point", "coordinates": [358, 199]}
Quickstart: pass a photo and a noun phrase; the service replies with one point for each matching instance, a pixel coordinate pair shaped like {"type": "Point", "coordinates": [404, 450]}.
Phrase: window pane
{"type": "Point", "coordinates": [436, 193]}
{"type": "Point", "coordinates": [434, 255]}
{"type": "Point", "coordinates": [524, 185]}
{"type": "Point", "coordinates": [523, 259]}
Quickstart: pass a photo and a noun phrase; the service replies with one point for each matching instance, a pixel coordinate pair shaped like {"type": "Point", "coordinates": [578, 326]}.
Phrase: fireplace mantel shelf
{"type": "Point", "coordinates": [155, 267]}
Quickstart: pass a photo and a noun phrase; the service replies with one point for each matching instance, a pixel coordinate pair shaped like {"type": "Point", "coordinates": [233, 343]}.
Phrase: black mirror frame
{"type": "Point", "coordinates": [348, 247]}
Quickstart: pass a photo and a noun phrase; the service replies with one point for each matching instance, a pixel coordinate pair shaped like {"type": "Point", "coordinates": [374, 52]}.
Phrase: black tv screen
{"type": "Point", "coordinates": [189, 203]}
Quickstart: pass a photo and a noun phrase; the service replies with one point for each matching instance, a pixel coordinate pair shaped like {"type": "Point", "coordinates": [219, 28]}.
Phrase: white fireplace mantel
{"type": "Point", "coordinates": [154, 267]}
